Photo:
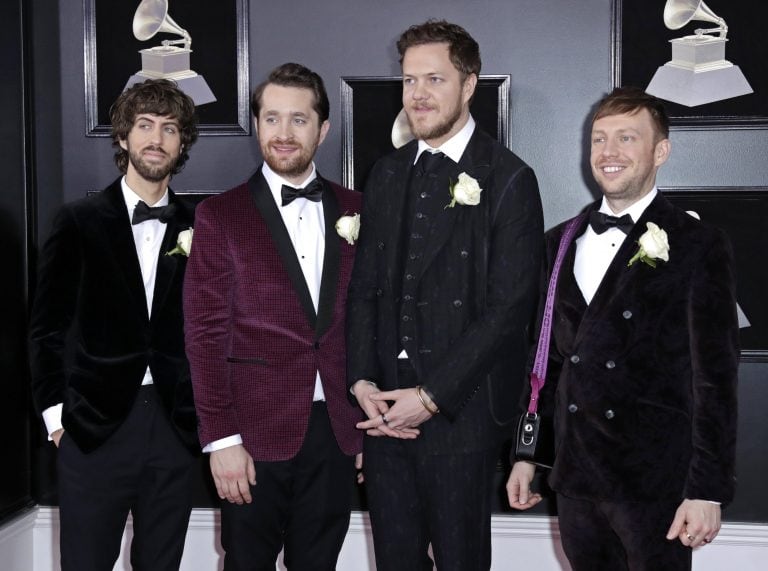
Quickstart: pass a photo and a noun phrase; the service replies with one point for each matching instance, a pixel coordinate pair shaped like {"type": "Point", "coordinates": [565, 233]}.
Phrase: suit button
{"type": "Point", "coordinates": [317, 344]}
{"type": "Point", "coordinates": [419, 215]}
{"type": "Point", "coordinates": [575, 359]}
{"type": "Point", "coordinates": [409, 277]}
{"type": "Point", "coordinates": [379, 293]}
{"type": "Point", "coordinates": [627, 314]}
{"type": "Point", "coordinates": [610, 364]}
{"type": "Point", "coordinates": [423, 195]}
{"type": "Point", "coordinates": [464, 254]}
{"type": "Point", "coordinates": [380, 245]}
{"type": "Point", "coordinates": [406, 318]}
{"type": "Point", "coordinates": [407, 297]}
{"type": "Point", "coordinates": [457, 303]}
{"type": "Point", "coordinates": [413, 256]}
{"type": "Point", "coordinates": [572, 408]}
{"type": "Point", "coordinates": [609, 414]}
{"type": "Point", "coordinates": [405, 339]}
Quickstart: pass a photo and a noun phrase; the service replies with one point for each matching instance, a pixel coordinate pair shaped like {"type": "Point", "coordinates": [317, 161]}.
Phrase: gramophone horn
{"type": "Point", "coordinates": [152, 17]}
{"type": "Point", "coordinates": [677, 13]}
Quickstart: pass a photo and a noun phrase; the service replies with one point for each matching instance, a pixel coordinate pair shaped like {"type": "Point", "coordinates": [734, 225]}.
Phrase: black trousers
{"type": "Point", "coordinates": [301, 505]}
{"type": "Point", "coordinates": [143, 469]}
{"type": "Point", "coordinates": [620, 536]}
{"type": "Point", "coordinates": [416, 500]}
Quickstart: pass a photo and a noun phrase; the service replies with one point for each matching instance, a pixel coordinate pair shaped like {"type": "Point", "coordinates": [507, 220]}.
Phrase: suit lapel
{"type": "Point", "coordinates": [262, 197]}
{"type": "Point", "coordinates": [169, 266]}
{"type": "Point", "coordinates": [119, 236]}
{"type": "Point", "coordinates": [475, 162]}
{"type": "Point", "coordinates": [330, 278]}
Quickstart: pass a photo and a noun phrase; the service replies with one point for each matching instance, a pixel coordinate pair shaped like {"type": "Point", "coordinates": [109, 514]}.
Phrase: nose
{"type": "Point", "coordinates": [157, 135]}
{"type": "Point", "coordinates": [610, 148]}
{"type": "Point", "coordinates": [418, 91]}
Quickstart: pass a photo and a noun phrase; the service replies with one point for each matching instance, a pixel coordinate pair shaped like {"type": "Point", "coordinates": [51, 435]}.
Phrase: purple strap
{"type": "Point", "coordinates": [539, 372]}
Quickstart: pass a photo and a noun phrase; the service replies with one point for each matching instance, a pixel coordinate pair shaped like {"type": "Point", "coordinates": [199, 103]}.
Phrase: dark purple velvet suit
{"type": "Point", "coordinates": [253, 338]}
{"type": "Point", "coordinates": [642, 384]}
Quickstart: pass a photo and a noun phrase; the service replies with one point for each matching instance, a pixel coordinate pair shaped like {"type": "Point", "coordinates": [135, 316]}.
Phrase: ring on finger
{"type": "Point", "coordinates": [690, 537]}
{"type": "Point", "coordinates": [384, 419]}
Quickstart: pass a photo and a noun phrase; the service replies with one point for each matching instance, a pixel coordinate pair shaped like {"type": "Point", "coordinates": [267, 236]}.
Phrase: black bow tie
{"type": "Point", "coordinates": [428, 161]}
{"type": "Point", "coordinates": [600, 222]}
{"type": "Point", "coordinates": [143, 212]}
{"type": "Point", "coordinates": [313, 191]}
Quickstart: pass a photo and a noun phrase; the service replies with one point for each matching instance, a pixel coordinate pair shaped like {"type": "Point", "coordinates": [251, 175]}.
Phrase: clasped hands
{"type": "Point", "coordinates": [399, 419]}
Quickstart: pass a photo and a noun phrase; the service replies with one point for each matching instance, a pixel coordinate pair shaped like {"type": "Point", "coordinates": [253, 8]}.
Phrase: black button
{"type": "Point", "coordinates": [379, 293]}
{"type": "Point", "coordinates": [419, 215]}
{"type": "Point", "coordinates": [407, 297]}
{"type": "Point", "coordinates": [572, 408]}
{"type": "Point", "coordinates": [575, 359]}
{"type": "Point", "coordinates": [406, 318]}
{"type": "Point", "coordinates": [610, 364]}
{"type": "Point", "coordinates": [464, 254]}
{"type": "Point", "coordinates": [609, 414]}
{"type": "Point", "coordinates": [409, 276]}
{"type": "Point", "coordinates": [413, 256]}
{"type": "Point", "coordinates": [415, 235]}
{"type": "Point", "coordinates": [317, 344]}
{"type": "Point", "coordinates": [423, 195]}
{"type": "Point", "coordinates": [627, 314]}
{"type": "Point", "coordinates": [457, 303]}
{"type": "Point", "coordinates": [380, 245]}
{"type": "Point", "coordinates": [405, 339]}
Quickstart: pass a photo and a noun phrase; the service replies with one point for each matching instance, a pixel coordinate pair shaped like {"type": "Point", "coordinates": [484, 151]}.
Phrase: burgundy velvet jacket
{"type": "Point", "coordinates": [253, 338]}
{"type": "Point", "coordinates": [642, 381]}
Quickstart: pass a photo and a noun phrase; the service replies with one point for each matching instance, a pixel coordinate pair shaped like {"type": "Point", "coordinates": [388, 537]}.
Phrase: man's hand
{"type": "Point", "coordinates": [56, 436]}
{"type": "Point", "coordinates": [405, 414]}
{"type": "Point", "coordinates": [519, 486]}
{"type": "Point", "coordinates": [233, 470]}
{"type": "Point", "coordinates": [697, 522]}
{"type": "Point", "coordinates": [378, 412]}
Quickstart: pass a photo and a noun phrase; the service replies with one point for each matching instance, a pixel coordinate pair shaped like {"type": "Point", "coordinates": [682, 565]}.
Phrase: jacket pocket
{"type": "Point", "coordinates": [254, 361]}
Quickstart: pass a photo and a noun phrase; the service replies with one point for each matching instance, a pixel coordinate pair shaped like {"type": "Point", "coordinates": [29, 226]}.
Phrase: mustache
{"type": "Point", "coordinates": [155, 149]}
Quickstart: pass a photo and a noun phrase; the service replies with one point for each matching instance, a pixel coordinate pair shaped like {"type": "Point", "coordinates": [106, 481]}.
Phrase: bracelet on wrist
{"type": "Point", "coordinates": [433, 410]}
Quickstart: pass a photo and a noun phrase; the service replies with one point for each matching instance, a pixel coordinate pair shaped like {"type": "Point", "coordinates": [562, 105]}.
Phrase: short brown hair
{"type": "Point", "coordinates": [158, 97]}
{"type": "Point", "coordinates": [630, 100]}
{"type": "Point", "coordinates": [462, 48]}
{"type": "Point", "coordinates": [294, 75]}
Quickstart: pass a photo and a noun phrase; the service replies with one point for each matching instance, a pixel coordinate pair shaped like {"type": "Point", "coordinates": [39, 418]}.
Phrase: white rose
{"type": "Point", "coordinates": [183, 243]}
{"type": "Point", "coordinates": [465, 191]}
{"type": "Point", "coordinates": [348, 227]}
{"type": "Point", "coordinates": [655, 243]}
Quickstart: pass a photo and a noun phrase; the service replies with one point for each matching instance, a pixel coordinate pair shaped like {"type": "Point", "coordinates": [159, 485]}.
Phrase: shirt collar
{"type": "Point", "coordinates": [276, 182]}
{"type": "Point", "coordinates": [132, 199]}
{"type": "Point", "coordinates": [635, 210]}
{"type": "Point", "coordinates": [454, 147]}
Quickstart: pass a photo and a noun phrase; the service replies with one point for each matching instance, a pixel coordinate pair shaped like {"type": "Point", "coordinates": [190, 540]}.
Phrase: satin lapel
{"type": "Point", "coordinates": [476, 163]}
{"type": "Point", "coordinates": [618, 275]}
{"type": "Point", "coordinates": [331, 261]}
{"type": "Point", "coordinates": [117, 232]}
{"type": "Point", "coordinates": [282, 241]}
{"type": "Point", "coordinates": [169, 266]}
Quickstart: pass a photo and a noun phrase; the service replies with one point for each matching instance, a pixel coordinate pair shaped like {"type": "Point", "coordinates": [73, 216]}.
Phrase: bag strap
{"type": "Point", "coordinates": [539, 372]}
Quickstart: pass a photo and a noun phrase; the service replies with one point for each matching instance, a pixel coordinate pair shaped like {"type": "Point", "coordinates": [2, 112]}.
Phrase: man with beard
{"type": "Point", "coordinates": [442, 292]}
{"type": "Point", "coordinates": [264, 305]}
{"type": "Point", "coordinates": [109, 372]}
{"type": "Point", "coordinates": [642, 366]}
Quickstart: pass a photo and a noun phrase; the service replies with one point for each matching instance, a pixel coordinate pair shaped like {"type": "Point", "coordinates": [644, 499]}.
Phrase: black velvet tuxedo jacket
{"type": "Point", "coordinates": [91, 338]}
{"type": "Point", "coordinates": [476, 292]}
{"type": "Point", "coordinates": [642, 382]}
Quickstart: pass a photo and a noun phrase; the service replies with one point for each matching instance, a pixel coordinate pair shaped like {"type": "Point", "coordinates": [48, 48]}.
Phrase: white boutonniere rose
{"type": "Point", "coordinates": [348, 227]}
{"type": "Point", "coordinates": [183, 243]}
{"type": "Point", "coordinates": [654, 245]}
{"type": "Point", "coordinates": [465, 191]}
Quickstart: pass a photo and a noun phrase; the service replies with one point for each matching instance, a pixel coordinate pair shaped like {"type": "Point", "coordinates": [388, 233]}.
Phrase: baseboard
{"type": "Point", "coordinates": [30, 543]}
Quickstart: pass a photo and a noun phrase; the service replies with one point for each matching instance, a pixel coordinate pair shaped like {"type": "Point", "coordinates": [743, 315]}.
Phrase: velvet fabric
{"type": "Point", "coordinates": [642, 382]}
{"type": "Point", "coordinates": [91, 338]}
{"type": "Point", "coordinates": [254, 340]}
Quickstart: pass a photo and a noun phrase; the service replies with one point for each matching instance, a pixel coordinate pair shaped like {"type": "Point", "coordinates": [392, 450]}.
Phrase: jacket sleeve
{"type": "Point", "coordinates": [208, 290]}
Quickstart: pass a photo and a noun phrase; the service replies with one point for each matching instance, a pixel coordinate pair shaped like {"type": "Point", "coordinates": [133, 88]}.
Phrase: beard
{"type": "Point", "coordinates": [428, 133]}
{"type": "Point", "coordinates": [151, 172]}
{"type": "Point", "coordinates": [289, 167]}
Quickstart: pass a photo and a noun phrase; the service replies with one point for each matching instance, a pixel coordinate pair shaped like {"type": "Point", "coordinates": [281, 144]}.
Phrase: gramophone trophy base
{"type": "Point", "coordinates": [698, 73]}
{"type": "Point", "coordinates": [172, 63]}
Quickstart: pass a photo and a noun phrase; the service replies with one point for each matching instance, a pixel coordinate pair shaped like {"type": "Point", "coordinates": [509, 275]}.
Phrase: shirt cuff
{"type": "Point", "coordinates": [52, 419]}
{"type": "Point", "coordinates": [222, 443]}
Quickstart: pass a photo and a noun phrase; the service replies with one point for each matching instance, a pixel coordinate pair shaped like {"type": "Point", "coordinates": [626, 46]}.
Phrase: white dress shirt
{"type": "Point", "coordinates": [306, 226]}
{"type": "Point", "coordinates": [595, 252]}
{"type": "Point", "coordinates": [147, 237]}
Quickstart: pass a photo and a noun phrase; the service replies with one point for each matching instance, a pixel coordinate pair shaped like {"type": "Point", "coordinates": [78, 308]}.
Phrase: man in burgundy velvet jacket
{"type": "Point", "coordinates": [264, 306]}
{"type": "Point", "coordinates": [642, 365]}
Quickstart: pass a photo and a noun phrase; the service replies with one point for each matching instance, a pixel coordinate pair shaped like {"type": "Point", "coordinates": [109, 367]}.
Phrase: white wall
{"type": "Point", "coordinates": [30, 543]}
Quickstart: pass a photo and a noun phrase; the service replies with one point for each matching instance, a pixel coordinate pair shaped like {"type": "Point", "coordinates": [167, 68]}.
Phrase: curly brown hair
{"type": "Point", "coordinates": [630, 100]}
{"type": "Point", "coordinates": [158, 97]}
{"type": "Point", "coordinates": [294, 75]}
{"type": "Point", "coordinates": [462, 48]}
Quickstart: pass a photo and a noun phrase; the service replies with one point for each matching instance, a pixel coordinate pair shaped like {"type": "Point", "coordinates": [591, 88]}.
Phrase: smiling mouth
{"type": "Point", "coordinates": [612, 169]}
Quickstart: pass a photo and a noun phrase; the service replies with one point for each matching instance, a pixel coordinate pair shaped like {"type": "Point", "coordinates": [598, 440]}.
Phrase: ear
{"type": "Point", "coordinates": [468, 89]}
{"type": "Point", "coordinates": [661, 152]}
{"type": "Point", "coordinates": [324, 128]}
{"type": "Point", "coordinates": [123, 144]}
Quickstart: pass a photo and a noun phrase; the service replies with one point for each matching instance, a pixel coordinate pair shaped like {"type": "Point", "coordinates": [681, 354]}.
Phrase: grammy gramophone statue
{"type": "Point", "coordinates": [168, 60]}
{"type": "Point", "coordinates": [698, 72]}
